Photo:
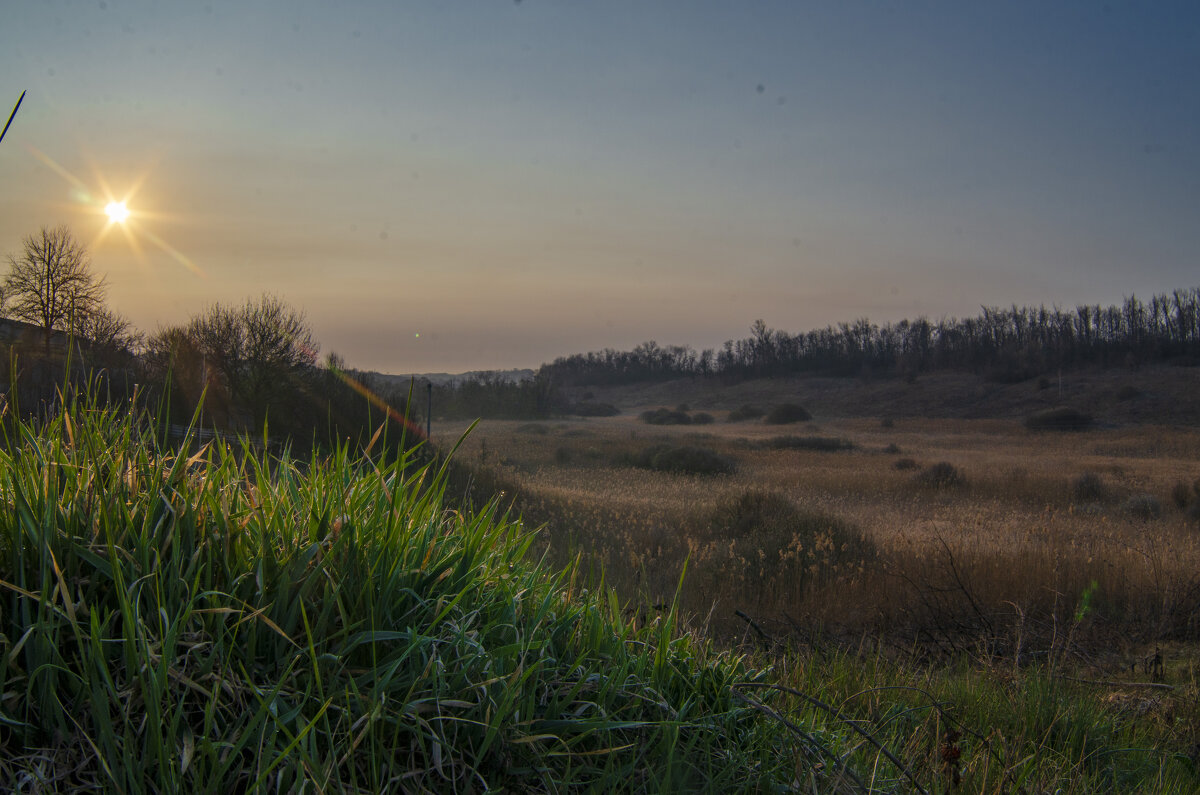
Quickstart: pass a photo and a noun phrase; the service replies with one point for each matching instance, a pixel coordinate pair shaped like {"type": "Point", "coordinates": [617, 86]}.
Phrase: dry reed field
{"type": "Point", "coordinates": [947, 533]}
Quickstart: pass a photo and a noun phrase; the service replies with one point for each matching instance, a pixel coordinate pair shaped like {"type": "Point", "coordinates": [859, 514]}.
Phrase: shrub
{"type": "Point", "coordinates": [905, 463]}
{"type": "Point", "coordinates": [787, 413]}
{"type": "Point", "coordinates": [1143, 506]}
{"type": "Point", "coordinates": [587, 409]}
{"type": "Point", "coordinates": [692, 461]}
{"type": "Point", "coordinates": [1088, 487]}
{"type": "Point", "coordinates": [1063, 418]}
{"type": "Point", "coordinates": [822, 443]}
{"type": "Point", "coordinates": [942, 475]}
{"type": "Point", "coordinates": [1181, 495]}
{"type": "Point", "coordinates": [811, 547]}
{"type": "Point", "coordinates": [744, 413]}
{"type": "Point", "coordinates": [665, 417]}
{"type": "Point", "coordinates": [887, 422]}
{"type": "Point", "coordinates": [702, 418]}
{"type": "Point", "coordinates": [892, 449]}
{"type": "Point", "coordinates": [683, 408]}
{"type": "Point", "coordinates": [684, 459]}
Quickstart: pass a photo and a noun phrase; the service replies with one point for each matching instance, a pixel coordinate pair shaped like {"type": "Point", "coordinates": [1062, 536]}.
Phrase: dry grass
{"type": "Point", "coordinates": [1006, 555]}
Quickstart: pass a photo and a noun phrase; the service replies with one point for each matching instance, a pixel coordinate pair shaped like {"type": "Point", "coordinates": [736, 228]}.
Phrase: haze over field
{"type": "Point", "coordinates": [446, 187]}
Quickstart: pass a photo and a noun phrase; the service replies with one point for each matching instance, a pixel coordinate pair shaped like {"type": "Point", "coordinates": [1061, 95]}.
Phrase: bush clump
{"type": "Point", "coordinates": [1181, 495]}
{"type": "Point", "coordinates": [1063, 418]}
{"type": "Point", "coordinates": [702, 418]}
{"type": "Point", "coordinates": [683, 459]}
{"type": "Point", "coordinates": [743, 413]}
{"type": "Point", "coordinates": [810, 547]}
{"type": "Point", "coordinates": [786, 414]}
{"type": "Point", "coordinates": [1146, 507]}
{"type": "Point", "coordinates": [822, 443]}
{"type": "Point", "coordinates": [905, 464]}
{"type": "Point", "coordinates": [892, 449]}
{"type": "Point", "coordinates": [665, 416]}
{"type": "Point", "coordinates": [942, 475]}
{"type": "Point", "coordinates": [1088, 487]}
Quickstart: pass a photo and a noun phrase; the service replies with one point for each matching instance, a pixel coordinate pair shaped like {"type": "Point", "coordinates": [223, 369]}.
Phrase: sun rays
{"type": "Point", "coordinates": [118, 211]}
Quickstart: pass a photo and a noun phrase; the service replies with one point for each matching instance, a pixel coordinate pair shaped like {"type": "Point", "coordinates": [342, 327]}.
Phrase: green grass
{"type": "Point", "coordinates": [992, 729]}
{"type": "Point", "coordinates": [221, 622]}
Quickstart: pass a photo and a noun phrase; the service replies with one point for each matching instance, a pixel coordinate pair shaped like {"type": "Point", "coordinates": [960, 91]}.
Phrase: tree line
{"type": "Point", "coordinates": [239, 368]}
{"type": "Point", "coordinates": [1003, 344]}
{"type": "Point", "coordinates": [257, 363]}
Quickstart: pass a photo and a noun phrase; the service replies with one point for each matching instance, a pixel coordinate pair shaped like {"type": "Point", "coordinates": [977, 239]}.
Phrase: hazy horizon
{"type": "Point", "coordinates": [479, 186]}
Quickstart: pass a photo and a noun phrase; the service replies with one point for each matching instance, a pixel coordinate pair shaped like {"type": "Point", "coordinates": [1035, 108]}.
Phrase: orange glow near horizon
{"type": "Point", "coordinates": [116, 211]}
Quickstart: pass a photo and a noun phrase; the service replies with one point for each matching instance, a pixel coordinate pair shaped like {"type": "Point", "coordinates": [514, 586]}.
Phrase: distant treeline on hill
{"type": "Point", "coordinates": [497, 396]}
{"type": "Point", "coordinates": [1006, 345]}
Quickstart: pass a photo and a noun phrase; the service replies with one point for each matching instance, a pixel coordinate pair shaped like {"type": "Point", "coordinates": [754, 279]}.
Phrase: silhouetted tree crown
{"type": "Point", "coordinates": [50, 283]}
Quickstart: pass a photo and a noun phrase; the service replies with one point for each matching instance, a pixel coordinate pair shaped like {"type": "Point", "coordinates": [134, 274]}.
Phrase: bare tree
{"type": "Point", "coordinates": [51, 282]}
{"type": "Point", "coordinates": [279, 346]}
{"type": "Point", "coordinates": [220, 336]}
{"type": "Point", "coordinates": [257, 350]}
{"type": "Point", "coordinates": [111, 339]}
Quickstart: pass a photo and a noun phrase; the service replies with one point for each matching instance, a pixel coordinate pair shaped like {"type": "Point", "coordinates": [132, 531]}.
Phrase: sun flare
{"type": "Point", "coordinates": [117, 212]}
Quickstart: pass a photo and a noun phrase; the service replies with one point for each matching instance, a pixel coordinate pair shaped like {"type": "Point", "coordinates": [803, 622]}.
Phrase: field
{"type": "Point", "coordinates": [206, 619]}
{"type": "Point", "coordinates": [1042, 586]}
{"type": "Point", "coordinates": [1028, 537]}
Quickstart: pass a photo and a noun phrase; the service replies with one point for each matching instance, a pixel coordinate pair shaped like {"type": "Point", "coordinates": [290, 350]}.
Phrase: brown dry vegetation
{"type": "Point", "coordinates": [1002, 559]}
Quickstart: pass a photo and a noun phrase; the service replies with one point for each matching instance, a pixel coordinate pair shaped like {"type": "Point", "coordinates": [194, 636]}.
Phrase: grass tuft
{"type": "Point", "coordinates": [942, 475]}
{"type": "Point", "coordinates": [1089, 487]}
{"type": "Point", "coordinates": [1146, 507]}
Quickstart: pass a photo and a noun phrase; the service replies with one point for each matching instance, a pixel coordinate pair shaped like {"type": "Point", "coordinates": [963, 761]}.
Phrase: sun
{"type": "Point", "coordinates": [117, 212]}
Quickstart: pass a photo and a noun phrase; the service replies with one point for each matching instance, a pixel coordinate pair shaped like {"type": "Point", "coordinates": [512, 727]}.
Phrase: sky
{"type": "Point", "coordinates": [489, 184]}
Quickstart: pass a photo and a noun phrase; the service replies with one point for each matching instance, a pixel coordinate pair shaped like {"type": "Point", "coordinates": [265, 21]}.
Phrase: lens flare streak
{"type": "Point", "coordinates": [379, 403]}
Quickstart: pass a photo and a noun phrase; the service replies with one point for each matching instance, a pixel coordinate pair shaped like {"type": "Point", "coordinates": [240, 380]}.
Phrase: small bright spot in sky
{"type": "Point", "coordinates": [417, 335]}
{"type": "Point", "coordinates": [117, 212]}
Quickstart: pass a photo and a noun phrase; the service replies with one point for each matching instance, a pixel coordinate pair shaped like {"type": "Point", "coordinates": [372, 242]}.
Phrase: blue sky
{"type": "Point", "coordinates": [518, 181]}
